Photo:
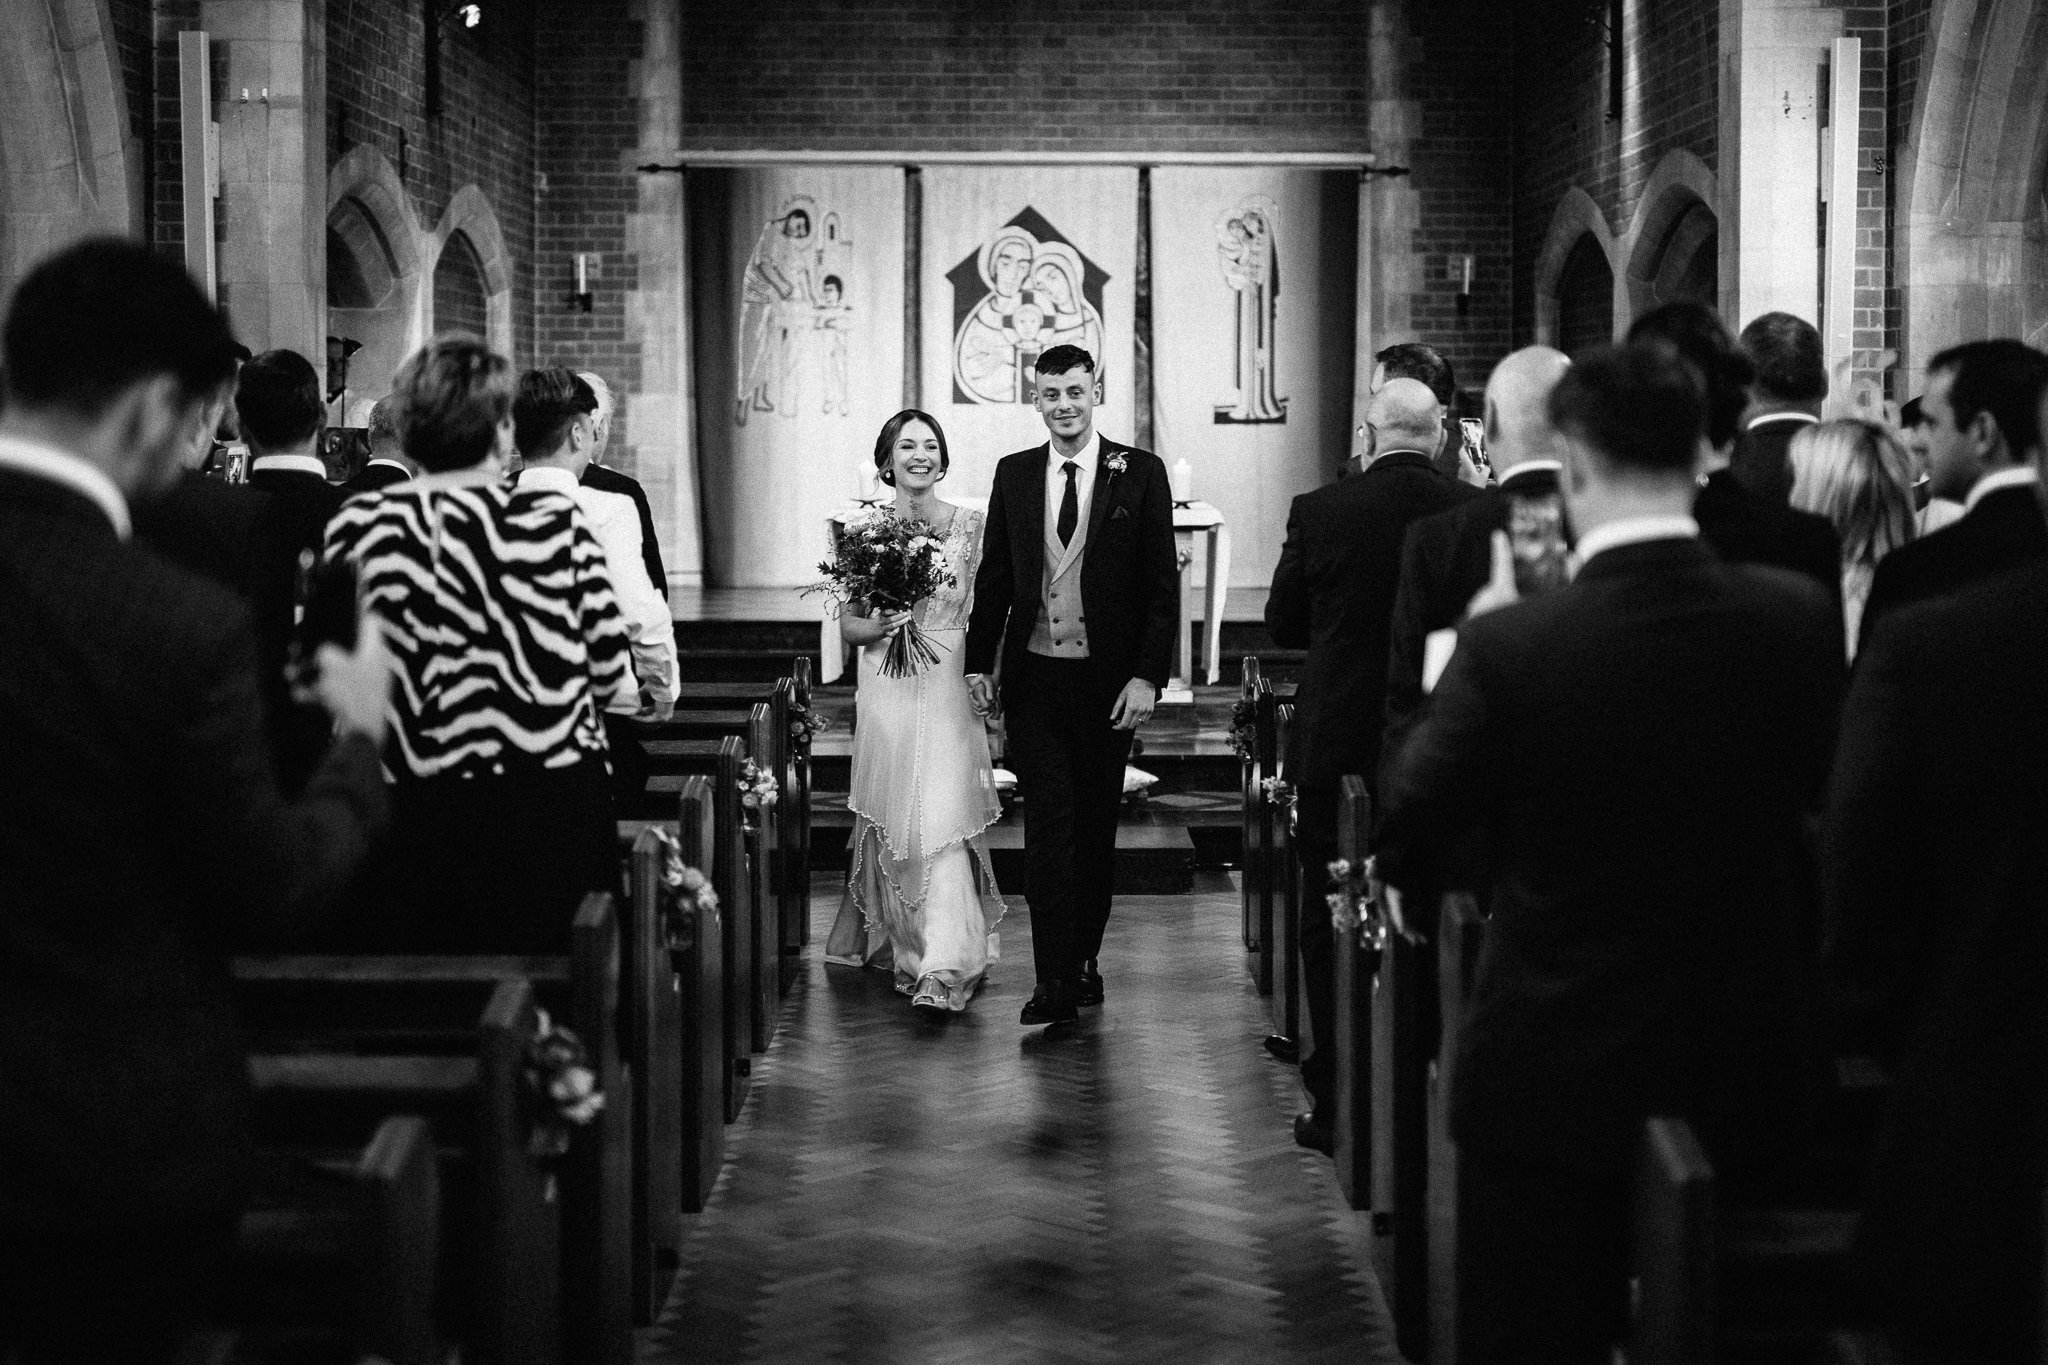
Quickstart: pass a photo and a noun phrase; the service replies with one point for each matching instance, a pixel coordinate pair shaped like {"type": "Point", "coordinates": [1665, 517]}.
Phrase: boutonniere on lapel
{"type": "Point", "coordinates": [1115, 463]}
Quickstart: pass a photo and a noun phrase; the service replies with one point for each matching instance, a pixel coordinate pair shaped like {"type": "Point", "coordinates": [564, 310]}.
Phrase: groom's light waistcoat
{"type": "Point", "coordinates": [1061, 631]}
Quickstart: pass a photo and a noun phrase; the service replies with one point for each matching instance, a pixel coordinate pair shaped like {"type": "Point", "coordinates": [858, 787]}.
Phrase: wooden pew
{"type": "Point", "coordinates": [339, 1257]}
{"type": "Point", "coordinates": [1357, 958]}
{"type": "Point", "coordinates": [1400, 1027]}
{"type": "Point", "coordinates": [751, 978]}
{"type": "Point", "coordinates": [505, 1236]}
{"type": "Point", "coordinates": [1255, 721]}
{"type": "Point", "coordinates": [375, 1007]}
{"type": "Point", "coordinates": [700, 1018]}
{"type": "Point", "coordinates": [1460, 933]}
{"type": "Point", "coordinates": [1285, 886]}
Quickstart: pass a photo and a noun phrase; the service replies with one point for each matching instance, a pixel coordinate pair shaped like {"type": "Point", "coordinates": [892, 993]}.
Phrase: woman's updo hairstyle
{"type": "Point", "coordinates": [885, 444]}
{"type": "Point", "coordinates": [452, 396]}
{"type": "Point", "coordinates": [1695, 331]}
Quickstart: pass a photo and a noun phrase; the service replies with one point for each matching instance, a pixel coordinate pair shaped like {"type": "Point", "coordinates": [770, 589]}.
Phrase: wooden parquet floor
{"type": "Point", "coordinates": [1123, 1190]}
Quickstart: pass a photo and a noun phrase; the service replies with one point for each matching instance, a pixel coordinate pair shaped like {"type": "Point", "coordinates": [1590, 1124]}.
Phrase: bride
{"type": "Point", "coordinates": [921, 900]}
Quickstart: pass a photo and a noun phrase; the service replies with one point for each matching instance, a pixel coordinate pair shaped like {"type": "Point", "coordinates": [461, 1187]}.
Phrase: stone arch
{"type": "Point", "coordinates": [1972, 189]}
{"type": "Point", "coordinates": [1576, 220]}
{"type": "Point", "coordinates": [1671, 249]}
{"type": "Point", "coordinates": [471, 217]}
{"type": "Point", "coordinates": [68, 162]}
{"type": "Point", "coordinates": [375, 284]}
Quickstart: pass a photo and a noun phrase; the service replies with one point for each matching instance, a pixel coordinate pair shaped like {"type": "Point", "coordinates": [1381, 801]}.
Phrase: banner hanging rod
{"type": "Point", "coordinates": [677, 160]}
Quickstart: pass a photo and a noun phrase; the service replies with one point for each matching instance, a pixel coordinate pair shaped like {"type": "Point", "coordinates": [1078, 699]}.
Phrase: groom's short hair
{"type": "Point", "coordinates": [1060, 359]}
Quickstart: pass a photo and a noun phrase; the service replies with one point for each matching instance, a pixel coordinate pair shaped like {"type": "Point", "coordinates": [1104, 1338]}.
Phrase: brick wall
{"type": "Point", "coordinates": [1461, 73]}
{"type": "Point", "coordinates": [587, 91]}
{"type": "Point", "coordinates": [1057, 75]}
{"type": "Point", "coordinates": [1870, 24]}
{"type": "Point", "coordinates": [134, 26]}
{"type": "Point", "coordinates": [1908, 31]}
{"type": "Point", "coordinates": [1564, 137]}
{"type": "Point", "coordinates": [376, 94]}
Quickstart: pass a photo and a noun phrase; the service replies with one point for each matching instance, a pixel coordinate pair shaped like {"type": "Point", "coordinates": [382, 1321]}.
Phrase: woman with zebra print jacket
{"type": "Point", "coordinates": [509, 646]}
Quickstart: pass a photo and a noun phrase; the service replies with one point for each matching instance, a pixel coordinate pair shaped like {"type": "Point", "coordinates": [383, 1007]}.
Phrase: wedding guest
{"type": "Point", "coordinates": [216, 529]}
{"type": "Point", "coordinates": [1791, 384]}
{"type": "Point", "coordinates": [510, 646]}
{"type": "Point", "coordinates": [1856, 474]}
{"type": "Point", "coordinates": [388, 463]}
{"type": "Point", "coordinates": [1931, 513]}
{"type": "Point", "coordinates": [1742, 526]}
{"type": "Point", "coordinates": [1648, 742]}
{"type": "Point", "coordinates": [554, 422]}
{"type": "Point", "coordinates": [1935, 881]}
{"type": "Point", "coordinates": [279, 409]}
{"type": "Point", "coordinates": [1409, 360]}
{"type": "Point", "coordinates": [1333, 595]}
{"type": "Point", "coordinates": [143, 834]}
{"type": "Point", "coordinates": [601, 476]}
{"type": "Point", "coordinates": [1978, 413]}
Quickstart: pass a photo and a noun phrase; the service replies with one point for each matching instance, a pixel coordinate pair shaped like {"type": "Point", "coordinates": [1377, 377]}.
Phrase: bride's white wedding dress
{"type": "Point", "coordinates": [921, 900]}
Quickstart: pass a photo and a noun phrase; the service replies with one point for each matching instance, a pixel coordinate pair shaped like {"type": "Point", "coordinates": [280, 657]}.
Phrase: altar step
{"type": "Point", "coordinates": [744, 649]}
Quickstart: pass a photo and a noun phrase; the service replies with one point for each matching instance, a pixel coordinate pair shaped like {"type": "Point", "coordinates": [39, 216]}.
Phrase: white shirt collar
{"type": "Point", "coordinates": [548, 476]}
{"type": "Point", "coordinates": [1804, 419]}
{"type": "Point", "coordinates": [2004, 478]}
{"type": "Point", "coordinates": [398, 465]}
{"type": "Point", "coordinates": [61, 466]}
{"type": "Point", "coordinates": [1086, 459]}
{"type": "Point", "coordinates": [1634, 531]}
{"type": "Point", "coordinates": [295, 464]}
{"type": "Point", "coordinates": [1533, 467]}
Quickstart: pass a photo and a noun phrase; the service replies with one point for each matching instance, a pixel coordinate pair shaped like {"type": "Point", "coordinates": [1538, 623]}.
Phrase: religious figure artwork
{"type": "Point", "coordinates": [1249, 257]}
{"type": "Point", "coordinates": [1025, 289]}
{"type": "Point", "coordinates": [795, 315]}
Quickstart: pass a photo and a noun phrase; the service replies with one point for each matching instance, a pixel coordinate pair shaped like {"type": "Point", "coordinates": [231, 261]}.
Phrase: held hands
{"type": "Point", "coordinates": [1133, 705]}
{"type": "Point", "coordinates": [981, 694]}
{"type": "Point", "coordinates": [1500, 590]}
{"type": "Point", "coordinates": [352, 685]}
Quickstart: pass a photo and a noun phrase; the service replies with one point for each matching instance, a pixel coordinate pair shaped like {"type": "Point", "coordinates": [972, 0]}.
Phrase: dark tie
{"type": "Point", "coordinates": [1070, 504]}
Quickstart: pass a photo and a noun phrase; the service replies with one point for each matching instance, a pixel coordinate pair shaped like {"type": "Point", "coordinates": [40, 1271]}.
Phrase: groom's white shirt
{"type": "Point", "coordinates": [1061, 632]}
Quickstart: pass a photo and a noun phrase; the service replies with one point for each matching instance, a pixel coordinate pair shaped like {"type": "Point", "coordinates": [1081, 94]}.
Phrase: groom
{"type": "Point", "coordinates": [1079, 587]}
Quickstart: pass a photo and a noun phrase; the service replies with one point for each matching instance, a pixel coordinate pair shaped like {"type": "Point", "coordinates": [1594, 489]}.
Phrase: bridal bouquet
{"type": "Point", "coordinates": [888, 564]}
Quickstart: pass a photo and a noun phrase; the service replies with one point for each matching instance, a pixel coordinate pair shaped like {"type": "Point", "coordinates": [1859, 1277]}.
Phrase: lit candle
{"type": "Point", "coordinates": [1183, 479]}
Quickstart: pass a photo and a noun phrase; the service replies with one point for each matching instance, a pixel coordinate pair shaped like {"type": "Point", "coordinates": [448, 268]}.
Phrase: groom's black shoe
{"type": "Point", "coordinates": [1089, 992]}
{"type": "Point", "coordinates": [1051, 1003]}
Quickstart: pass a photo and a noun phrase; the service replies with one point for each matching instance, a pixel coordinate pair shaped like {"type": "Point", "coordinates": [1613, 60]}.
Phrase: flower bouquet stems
{"type": "Point", "coordinates": [910, 650]}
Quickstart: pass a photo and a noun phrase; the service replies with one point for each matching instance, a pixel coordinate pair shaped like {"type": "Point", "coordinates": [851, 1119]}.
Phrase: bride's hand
{"type": "Point", "coordinates": [895, 621]}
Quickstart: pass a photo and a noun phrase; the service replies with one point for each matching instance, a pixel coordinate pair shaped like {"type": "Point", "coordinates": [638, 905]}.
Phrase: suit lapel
{"type": "Point", "coordinates": [1033, 498]}
{"type": "Point", "coordinates": [1098, 500]}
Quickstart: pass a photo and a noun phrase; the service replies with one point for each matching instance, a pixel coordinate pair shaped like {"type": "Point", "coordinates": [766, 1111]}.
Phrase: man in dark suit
{"type": "Point", "coordinates": [1080, 588]}
{"type": "Point", "coordinates": [1333, 594]}
{"type": "Point", "coordinates": [1647, 742]}
{"type": "Point", "coordinates": [1743, 525]}
{"type": "Point", "coordinates": [1448, 557]}
{"type": "Point", "coordinates": [388, 463]}
{"type": "Point", "coordinates": [277, 405]}
{"type": "Point", "coordinates": [214, 528]}
{"type": "Point", "coordinates": [1790, 386]}
{"type": "Point", "coordinates": [608, 480]}
{"type": "Point", "coordinates": [1981, 426]}
{"type": "Point", "coordinates": [142, 834]}
{"type": "Point", "coordinates": [1937, 890]}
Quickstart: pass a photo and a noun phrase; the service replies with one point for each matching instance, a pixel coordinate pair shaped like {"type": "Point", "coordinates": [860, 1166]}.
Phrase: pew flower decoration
{"type": "Point", "coordinates": [564, 1086]}
{"type": "Point", "coordinates": [758, 787]}
{"type": "Point", "coordinates": [887, 564]}
{"type": "Point", "coordinates": [1279, 791]}
{"type": "Point", "coordinates": [805, 725]}
{"type": "Point", "coordinates": [1244, 728]}
{"type": "Point", "coordinates": [686, 897]}
{"type": "Point", "coordinates": [1354, 904]}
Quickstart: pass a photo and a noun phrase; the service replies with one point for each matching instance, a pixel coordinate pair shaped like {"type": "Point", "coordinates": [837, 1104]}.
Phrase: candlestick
{"type": "Point", "coordinates": [1183, 479]}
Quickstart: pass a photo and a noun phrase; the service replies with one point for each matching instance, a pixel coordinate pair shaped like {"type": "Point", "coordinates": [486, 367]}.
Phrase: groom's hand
{"type": "Point", "coordinates": [1133, 705]}
{"type": "Point", "coordinates": [981, 693]}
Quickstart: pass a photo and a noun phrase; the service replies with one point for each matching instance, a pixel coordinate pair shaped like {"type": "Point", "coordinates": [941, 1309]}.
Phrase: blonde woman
{"type": "Point", "coordinates": [1857, 474]}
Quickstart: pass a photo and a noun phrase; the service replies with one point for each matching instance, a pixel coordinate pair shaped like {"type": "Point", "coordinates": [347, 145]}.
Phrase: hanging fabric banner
{"type": "Point", "coordinates": [1252, 333]}
{"type": "Point", "coordinates": [1017, 260]}
{"type": "Point", "coordinates": [798, 302]}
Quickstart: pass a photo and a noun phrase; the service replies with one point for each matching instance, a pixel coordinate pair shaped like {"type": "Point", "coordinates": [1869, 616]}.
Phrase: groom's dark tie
{"type": "Point", "coordinates": [1070, 504]}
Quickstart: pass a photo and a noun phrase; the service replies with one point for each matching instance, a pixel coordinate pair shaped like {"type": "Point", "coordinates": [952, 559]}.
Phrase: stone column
{"type": "Point", "coordinates": [1773, 56]}
{"type": "Point", "coordinates": [273, 170]}
{"type": "Point", "coordinates": [660, 412]}
{"type": "Point", "coordinates": [1389, 208]}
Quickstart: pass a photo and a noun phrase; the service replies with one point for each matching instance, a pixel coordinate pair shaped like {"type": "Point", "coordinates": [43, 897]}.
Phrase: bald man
{"type": "Point", "coordinates": [596, 475]}
{"type": "Point", "coordinates": [1449, 557]}
{"type": "Point", "coordinates": [1333, 595]}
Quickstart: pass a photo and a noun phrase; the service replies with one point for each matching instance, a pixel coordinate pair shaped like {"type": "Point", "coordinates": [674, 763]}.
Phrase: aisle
{"type": "Point", "coordinates": [973, 1191]}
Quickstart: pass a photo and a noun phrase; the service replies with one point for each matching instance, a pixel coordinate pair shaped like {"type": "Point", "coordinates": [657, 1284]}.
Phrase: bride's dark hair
{"type": "Point", "coordinates": [885, 444]}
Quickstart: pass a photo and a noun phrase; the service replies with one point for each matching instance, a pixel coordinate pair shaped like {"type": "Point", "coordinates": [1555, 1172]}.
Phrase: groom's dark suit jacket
{"type": "Point", "coordinates": [1130, 581]}
{"type": "Point", "coordinates": [1644, 745]}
